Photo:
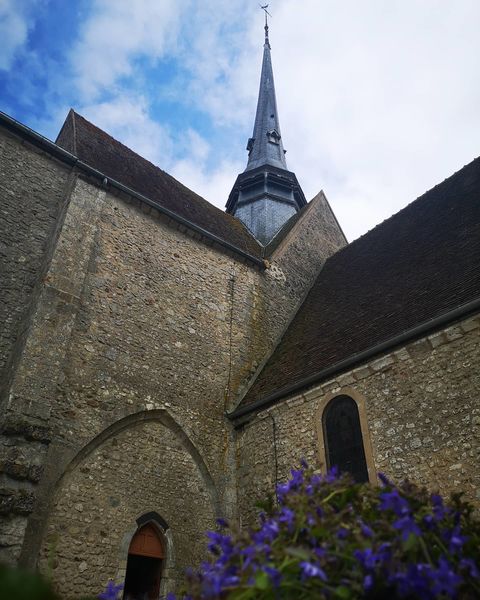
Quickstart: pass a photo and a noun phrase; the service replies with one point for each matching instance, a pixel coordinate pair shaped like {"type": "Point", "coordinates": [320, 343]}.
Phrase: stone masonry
{"type": "Point", "coordinates": [422, 417]}
{"type": "Point", "coordinates": [128, 317]}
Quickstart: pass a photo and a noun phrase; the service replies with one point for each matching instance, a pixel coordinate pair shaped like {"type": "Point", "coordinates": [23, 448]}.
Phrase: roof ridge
{"type": "Point", "coordinates": [404, 209]}
{"type": "Point", "coordinates": [74, 126]}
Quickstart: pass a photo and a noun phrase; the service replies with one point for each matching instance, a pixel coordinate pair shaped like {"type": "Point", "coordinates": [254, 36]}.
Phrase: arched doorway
{"type": "Point", "coordinates": [144, 564]}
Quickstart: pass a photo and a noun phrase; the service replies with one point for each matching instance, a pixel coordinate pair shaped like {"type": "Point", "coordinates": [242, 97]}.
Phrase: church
{"type": "Point", "coordinates": [164, 363]}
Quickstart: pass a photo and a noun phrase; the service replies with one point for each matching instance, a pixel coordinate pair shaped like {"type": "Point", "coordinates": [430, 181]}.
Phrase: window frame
{"type": "Point", "coordinates": [362, 414]}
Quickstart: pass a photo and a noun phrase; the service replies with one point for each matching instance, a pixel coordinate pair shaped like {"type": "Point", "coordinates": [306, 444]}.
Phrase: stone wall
{"type": "Point", "coordinates": [33, 188]}
{"type": "Point", "coordinates": [422, 410]}
{"type": "Point", "coordinates": [138, 316]}
{"type": "Point", "coordinates": [143, 468]}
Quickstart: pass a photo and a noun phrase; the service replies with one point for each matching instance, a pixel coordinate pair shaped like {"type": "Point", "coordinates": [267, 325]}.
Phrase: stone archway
{"type": "Point", "coordinates": [142, 465]}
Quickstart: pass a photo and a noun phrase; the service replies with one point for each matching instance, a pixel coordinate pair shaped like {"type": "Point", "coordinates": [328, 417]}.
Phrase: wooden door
{"type": "Point", "coordinates": [147, 542]}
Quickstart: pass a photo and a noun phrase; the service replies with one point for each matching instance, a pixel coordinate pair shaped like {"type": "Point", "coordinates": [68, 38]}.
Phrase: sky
{"type": "Point", "coordinates": [378, 100]}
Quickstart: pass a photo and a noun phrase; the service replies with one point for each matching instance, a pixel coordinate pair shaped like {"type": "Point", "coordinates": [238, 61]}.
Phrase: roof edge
{"type": "Point", "coordinates": [408, 335]}
{"type": "Point", "coordinates": [47, 145]}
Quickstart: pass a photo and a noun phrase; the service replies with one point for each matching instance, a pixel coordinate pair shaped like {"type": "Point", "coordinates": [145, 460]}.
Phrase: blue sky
{"type": "Point", "coordinates": [378, 101]}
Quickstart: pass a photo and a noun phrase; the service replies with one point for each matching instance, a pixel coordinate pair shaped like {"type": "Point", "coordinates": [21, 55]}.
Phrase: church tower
{"type": "Point", "coordinates": [266, 194]}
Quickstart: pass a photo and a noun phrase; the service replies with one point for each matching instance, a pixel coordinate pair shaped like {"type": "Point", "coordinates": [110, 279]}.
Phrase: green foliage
{"type": "Point", "coordinates": [17, 584]}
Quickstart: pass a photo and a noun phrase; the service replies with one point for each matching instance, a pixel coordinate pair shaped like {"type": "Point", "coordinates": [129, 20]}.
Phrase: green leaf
{"type": "Point", "coordinates": [242, 594]}
{"type": "Point", "coordinates": [298, 553]}
{"type": "Point", "coordinates": [410, 543]}
{"type": "Point", "coordinates": [343, 592]}
{"type": "Point", "coordinates": [261, 581]}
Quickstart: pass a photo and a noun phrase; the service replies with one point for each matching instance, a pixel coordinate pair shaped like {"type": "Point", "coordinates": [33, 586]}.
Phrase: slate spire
{"type": "Point", "coordinates": [266, 194]}
{"type": "Point", "coordinates": [265, 147]}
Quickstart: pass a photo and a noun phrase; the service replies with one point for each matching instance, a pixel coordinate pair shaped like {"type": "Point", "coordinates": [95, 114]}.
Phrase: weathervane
{"type": "Point", "coordinates": [264, 8]}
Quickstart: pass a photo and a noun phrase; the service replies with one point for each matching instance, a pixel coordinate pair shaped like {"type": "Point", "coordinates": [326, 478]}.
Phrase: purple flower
{"type": "Point", "coordinates": [414, 582]}
{"type": "Point", "coordinates": [366, 530]}
{"type": "Point", "coordinates": [282, 490]}
{"type": "Point", "coordinates": [250, 554]}
{"type": "Point", "coordinates": [439, 511]}
{"type": "Point", "coordinates": [220, 544]}
{"type": "Point", "coordinates": [332, 474]}
{"type": "Point", "coordinates": [455, 540]}
{"type": "Point", "coordinates": [311, 570]}
{"type": "Point", "coordinates": [269, 531]}
{"type": "Point", "coordinates": [444, 580]}
{"type": "Point", "coordinates": [471, 567]}
{"type": "Point", "coordinates": [297, 479]}
{"type": "Point", "coordinates": [370, 559]}
{"type": "Point", "coordinates": [393, 501]}
{"type": "Point", "coordinates": [384, 479]}
{"type": "Point", "coordinates": [287, 516]}
{"type": "Point", "coordinates": [342, 533]}
{"type": "Point", "coordinates": [320, 552]}
{"type": "Point", "coordinates": [222, 523]}
{"type": "Point", "coordinates": [407, 526]}
{"type": "Point", "coordinates": [111, 591]}
{"type": "Point", "coordinates": [368, 582]}
{"type": "Point", "coordinates": [275, 576]}
{"type": "Point", "coordinates": [303, 463]}
{"type": "Point", "coordinates": [429, 521]}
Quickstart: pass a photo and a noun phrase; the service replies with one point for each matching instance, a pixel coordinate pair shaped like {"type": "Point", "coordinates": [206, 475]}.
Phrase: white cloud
{"type": "Point", "coordinates": [127, 119]}
{"type": "Point", "coordinates": [378, 102]}
{"type": "Point", "coordinates": [15, 21]}
{"type": "Point", "coordinates": [383, 101]}
{"type": "Point", "coordinates": [118, 32]}
{"type": "Point", "coordinates": [208, 183]}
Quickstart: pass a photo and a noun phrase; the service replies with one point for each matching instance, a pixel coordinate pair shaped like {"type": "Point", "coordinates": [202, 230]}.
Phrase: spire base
{"type": "Point", "coordinates": [264, 199]}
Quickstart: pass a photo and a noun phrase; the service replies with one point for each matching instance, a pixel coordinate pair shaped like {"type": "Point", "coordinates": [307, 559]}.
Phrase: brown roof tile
{"type": "Point", "coordinates": [102, 152]}
{"type": "Point", "coordinates": [419, 264]}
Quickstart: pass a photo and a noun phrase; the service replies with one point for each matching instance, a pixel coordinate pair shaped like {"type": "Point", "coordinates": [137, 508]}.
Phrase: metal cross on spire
{"type": "Point", "coordinates": [264, 8]}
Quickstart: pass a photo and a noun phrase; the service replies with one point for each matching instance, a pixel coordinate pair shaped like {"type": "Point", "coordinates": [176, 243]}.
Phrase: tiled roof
{"type": "Point", "coordinates": [102, 152]}
{"type": "Point", "coordinates": [418, 265]}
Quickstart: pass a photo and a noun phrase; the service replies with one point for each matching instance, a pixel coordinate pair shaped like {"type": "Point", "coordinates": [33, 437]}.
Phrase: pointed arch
{"type": "Point", "coordinates": [63, 460]}
{"type": "Point", "coordinates": [161, 416]}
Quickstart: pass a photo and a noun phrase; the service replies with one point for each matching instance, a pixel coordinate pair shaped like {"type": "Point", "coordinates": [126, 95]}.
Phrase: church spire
{"type": "Point", "coordinates": [266, 194]}
{"type": "Point", "coordinates": [265, 147]}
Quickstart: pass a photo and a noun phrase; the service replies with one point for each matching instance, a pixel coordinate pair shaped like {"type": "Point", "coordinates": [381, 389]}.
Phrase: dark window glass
{"type": "Point", "coordinates": [343, 438]}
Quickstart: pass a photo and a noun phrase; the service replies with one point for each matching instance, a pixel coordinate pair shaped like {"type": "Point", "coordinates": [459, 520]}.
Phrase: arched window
{"type": "Point", "coordinates": [144, 566]}
{"type": "Point", "coordinates": [343, 438]}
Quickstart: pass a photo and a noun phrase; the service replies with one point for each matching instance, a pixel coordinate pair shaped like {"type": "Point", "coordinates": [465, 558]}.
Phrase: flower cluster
{"type": "Point", "coordinates": [331, 538]}
{"type": "Point", "coordinates": [112, 591]}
